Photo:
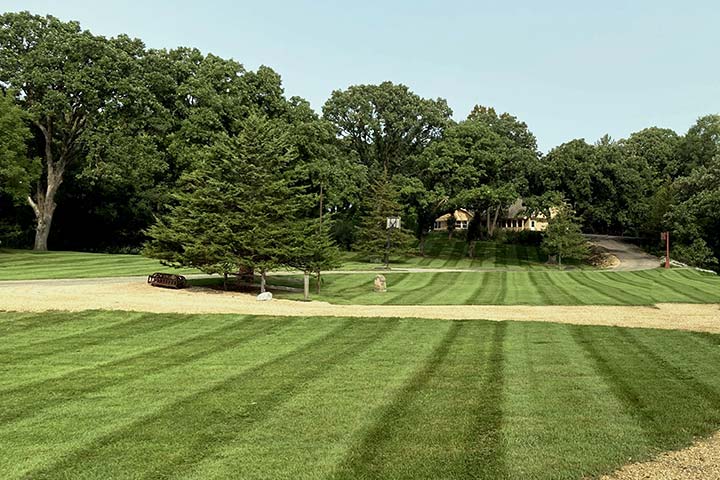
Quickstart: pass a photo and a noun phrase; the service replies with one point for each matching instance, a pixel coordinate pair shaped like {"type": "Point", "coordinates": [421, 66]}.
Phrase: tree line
{"type": "Point", "coordinates": [108, 145]}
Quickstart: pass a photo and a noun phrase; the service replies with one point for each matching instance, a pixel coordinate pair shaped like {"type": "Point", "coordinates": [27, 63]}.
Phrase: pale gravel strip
{"type": "Point", "coordinates": [701, 461]}
{"type": "Point", "coordinates": [138, 296]}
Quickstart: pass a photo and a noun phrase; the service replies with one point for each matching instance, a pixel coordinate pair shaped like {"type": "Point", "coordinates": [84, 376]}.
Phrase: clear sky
{"type": "Point", "coordinates": [570, 69]}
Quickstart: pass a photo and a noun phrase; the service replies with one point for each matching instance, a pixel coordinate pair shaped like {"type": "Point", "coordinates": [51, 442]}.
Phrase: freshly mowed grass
{"type": "Point", "coordinates": [99, 395]}
{"type": "Point", "coordinates": [523, 288]}
{"type": "Point", "coordinates": [441, 252]}
{"type": "Point", "coordinates": [30, 265]}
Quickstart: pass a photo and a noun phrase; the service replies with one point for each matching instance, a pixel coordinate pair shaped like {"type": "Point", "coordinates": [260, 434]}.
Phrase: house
{"type": "Point", "coordinates": [462, 220]}
{"type": "Point", "coordinates": [515, 218]}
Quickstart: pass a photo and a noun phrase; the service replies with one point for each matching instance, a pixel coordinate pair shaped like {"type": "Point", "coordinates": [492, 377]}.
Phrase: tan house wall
{"type": "Point", "coordinates": [537, 223]}
{"type": "Point", "coordinates": [462, 221]}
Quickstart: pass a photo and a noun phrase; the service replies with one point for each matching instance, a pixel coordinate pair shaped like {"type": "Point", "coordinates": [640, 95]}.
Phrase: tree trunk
{"type": "Point", "coordinates": [224, 280]}
{"type": "Point", "coordinates": [306, 286]}
{"type": "Point", "coordinates": [422, 244]}
{"type": "Point", "coordinates": [44, 208]}
{"type": "Point", "coordinates": [263, 280]}
{"type": "Point", "coordinates": [491, 229]}
{"type": "Point", "coordinates": [43, 204]}
{"type": "Point", "coordinates": [317, 282]}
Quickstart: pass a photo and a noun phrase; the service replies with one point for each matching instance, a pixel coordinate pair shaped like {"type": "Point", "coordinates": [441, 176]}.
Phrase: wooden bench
{"type": "Point", "coordinates": [167, 280]}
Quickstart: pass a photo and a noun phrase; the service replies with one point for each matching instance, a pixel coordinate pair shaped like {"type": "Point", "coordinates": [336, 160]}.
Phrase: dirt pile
{"type": "Point", "coordinates": [600, 257]}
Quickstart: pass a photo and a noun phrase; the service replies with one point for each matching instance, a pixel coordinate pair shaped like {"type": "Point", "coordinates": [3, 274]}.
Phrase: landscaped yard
{"type": "Point", "coordinates": [99, 395]}
{"type": "Point", "coordinates": [27, 264]}
{"type": "Point", "coordinates": [441, 253]}
{"type": "Point", "coordinates": [524, 288]}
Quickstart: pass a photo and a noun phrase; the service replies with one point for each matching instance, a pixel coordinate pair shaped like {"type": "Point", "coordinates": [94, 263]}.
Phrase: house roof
{"type": "Point", "coordinates": [460, 215]}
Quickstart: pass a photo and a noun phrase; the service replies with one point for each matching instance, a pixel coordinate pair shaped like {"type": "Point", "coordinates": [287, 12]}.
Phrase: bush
{"type": "Point", "coordinates": [524, 237]}
{"type": "Point", "coordinates": [698, 254]}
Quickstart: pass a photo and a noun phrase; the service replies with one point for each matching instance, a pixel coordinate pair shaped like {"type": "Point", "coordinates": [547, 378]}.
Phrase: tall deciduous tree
{"type": "Point", "coordinates": [386, 124]}
{"type": "Point", "coordinates": [17, 169]}
{"type": "Point", "coordinates": [67, 80]}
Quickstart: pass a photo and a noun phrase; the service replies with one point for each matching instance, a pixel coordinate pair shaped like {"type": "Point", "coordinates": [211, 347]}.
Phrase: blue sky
{"type": "Point", "coordinates": [570, 69]}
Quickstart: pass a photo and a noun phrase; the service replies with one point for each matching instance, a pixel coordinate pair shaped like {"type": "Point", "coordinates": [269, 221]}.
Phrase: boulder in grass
{"type": "Point", "coordinates": [264, 297]}
{"type": "Point", "coordinates": [380, 284]}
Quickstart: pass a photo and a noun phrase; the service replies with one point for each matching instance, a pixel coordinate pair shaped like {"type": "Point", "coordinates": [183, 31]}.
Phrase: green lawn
{"type": "Point", "coordinates": [29, 265]}
{"type": "Point", "coordinates": [443, 253]}
{"type": "Point", "coordinates": [98, 395]}
{"type": "Point", "coordinates": [524, 288]}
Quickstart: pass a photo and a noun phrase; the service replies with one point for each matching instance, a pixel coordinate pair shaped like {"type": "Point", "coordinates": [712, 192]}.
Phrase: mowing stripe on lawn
{"type": "Point", "coordinates": [674, 286]}
{"type": "Point", "coordinates": [212, 435]}
{"type": "Point", "coordinates": [710, 394]}
{"type": "Point", "coordinates": [47, 321]}
{"type": "Point", "coordinates": [328, 417]}
{"type": "Point", "coordinates": [360, 461]}
{"type": "Point", "coordinates": [499, 296]}
{"type": "Point", "coordinates": [447, 289]}
{"type": "Point", "coordinates": [614, 293]}
{"type": "Point", "coordinates": [92, 338]}
{"type": "Point", "coordinates": [694, 279]}
{"type": "Point", "coordinates": [480, 289]}
{"type": "Point", "coordinates": [623, 390]}
{"type": "Point", "coordinates": [31, 399]}
{"type": "Point", "coordinates": [179, 333]}
{"type": "Point", "coordinates": [553, 280]}
{"type": "Point", "coordinates": [668, 409]}
{"type": "Point", "coordinates": [418, 292]}
{"type": "Point", "coordinates": [408, 439]}
{"type": "Point", "coordinates": [536, 278]}
{"type": "Point", "coordinates": [485, 449]}
{"type": "Point", "coordinates": [87, 420]}
{"type": "Point", "coordinates": [206, 424]}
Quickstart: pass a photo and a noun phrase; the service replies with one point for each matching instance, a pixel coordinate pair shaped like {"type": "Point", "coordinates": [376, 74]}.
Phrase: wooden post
{"type": "Point", "coordinates": [306, 286]}
{"type": "Point", "coordinates": [666, 236]}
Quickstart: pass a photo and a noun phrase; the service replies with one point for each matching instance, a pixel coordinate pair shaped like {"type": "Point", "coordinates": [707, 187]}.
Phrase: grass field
{"type": "Point", "coordinates": [98, 395]}
{"type": "Point", "coordinates": [28, 265]}
{"type": "Point", "coordinates": [524, 288]}
{"type": "Point", "coordinates": [443, 253]}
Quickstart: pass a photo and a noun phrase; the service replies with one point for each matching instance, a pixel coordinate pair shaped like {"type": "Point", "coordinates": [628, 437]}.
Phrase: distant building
{"type": "Point", "coordinates": [515, 218]}
{"type": "Point", "coordinates": [462, 220]}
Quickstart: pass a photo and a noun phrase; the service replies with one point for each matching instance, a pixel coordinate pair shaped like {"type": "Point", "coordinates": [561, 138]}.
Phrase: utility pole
{"type": "Point", "coordinates": [392, 222]}
{"type": "Point", "coordinates": [666, 236]}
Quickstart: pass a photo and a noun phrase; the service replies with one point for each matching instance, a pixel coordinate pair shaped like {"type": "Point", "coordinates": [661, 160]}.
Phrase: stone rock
{"type": "Point", "coordinates": [380, 283]}
{"type": "Point", "coordinates": [264, 297]}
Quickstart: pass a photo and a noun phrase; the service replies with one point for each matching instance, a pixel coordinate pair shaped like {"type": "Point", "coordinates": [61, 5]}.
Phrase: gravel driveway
{"type": "Point", "coordinates": [631, 256]}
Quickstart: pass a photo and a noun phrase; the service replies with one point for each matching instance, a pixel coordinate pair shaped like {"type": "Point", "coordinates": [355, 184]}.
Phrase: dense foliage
{"type": "Point", "coordinates": [104, 143]}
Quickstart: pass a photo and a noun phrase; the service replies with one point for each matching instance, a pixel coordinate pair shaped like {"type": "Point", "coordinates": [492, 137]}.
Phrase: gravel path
{"type": "Point", "coordinates": [138, 296]}
{"type": "Point", "coordinates": [701, 461]}
{"type": "Point", "coordinates": [631, 256]}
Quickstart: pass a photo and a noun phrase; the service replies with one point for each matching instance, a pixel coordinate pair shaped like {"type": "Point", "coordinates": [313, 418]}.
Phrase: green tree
{"type": "Point", "coordinates": [242, 208]}
{"type": "Point", "coordinates": [564, 238]}
{"type": "Point", "coordinates": [68, 81]}
{"type": "Point", "coordinates": [374, 238]}
{"type": "Point", "coordinates": [17, 170]}
{"type": "Point", "coordinates": [701, 144]}
{"type": "Point", "coordinates": [387, 125]}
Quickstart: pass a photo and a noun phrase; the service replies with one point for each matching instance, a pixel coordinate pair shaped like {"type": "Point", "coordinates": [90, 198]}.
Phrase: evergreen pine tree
{"type": "Point", "coordinates": [564, 238]}
{"type": "Point", "coordinates": [241, 209]}
{"type": "Point", "coordinates": [374, 239]}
